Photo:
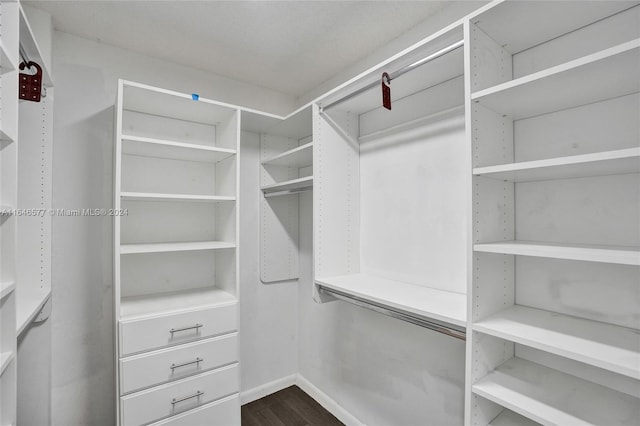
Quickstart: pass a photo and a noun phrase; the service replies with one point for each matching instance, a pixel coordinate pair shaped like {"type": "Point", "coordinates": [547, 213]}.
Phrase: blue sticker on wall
{"type": "Point", "coordinates": [195, 96]}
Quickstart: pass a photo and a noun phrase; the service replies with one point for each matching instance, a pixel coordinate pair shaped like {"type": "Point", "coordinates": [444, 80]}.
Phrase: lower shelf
{"type": "Point", "coordinates": [27, 307]}
{"type": "Point", "coordinates": [300, 184]}
{"type": "Point", "coordinates": [173, 247]}
{"type": "Point", "coordinates": [551, 397]}
{"type": "Point", "coordinates": [509, 418]}
{"type": "Point", "coordinates": [6, 287]}
{"type": "Point", "coordinates": [166, 303]}
{"type": "Point", "coordinates": [426, 302]}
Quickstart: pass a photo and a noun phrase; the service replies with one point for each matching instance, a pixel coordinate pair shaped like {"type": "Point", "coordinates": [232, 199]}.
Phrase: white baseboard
{"type": "Point", "coordinates": [267, 389]}
{"type": "Point", "coordinates": [327, 402]}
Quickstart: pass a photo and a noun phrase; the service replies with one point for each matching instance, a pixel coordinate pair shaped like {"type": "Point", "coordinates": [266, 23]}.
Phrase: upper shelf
{"type": "Point", "coordinates": [149, 147]}
{"type": "Point", "coordinates": [583, 252]}
{"type": "Point", "coordinates": [296, 126]}
{"type": "Point", "coordinates": [426, 302]}
{"type": "Point", "coordinates": [27, 307]}
{"type": "Point", "coordinates": [5, 360]}
{"type": "Point", "coordinates": [576, 166]}
{"type": "Point", "coordinates": [301, 156]}
{"type": "Point", "coordinates": [32, 49]}
{"type": "Point", "coordinates": [136, 307]}
{"type": "Point", "coordinates": [515, 25]}
{"type": "Point", "coordinates": [603, 75]}
{"type": "Point", "coordinates": [551, 397]}
{"type": "Point", "coordinates": [168, 103]}
{"type": "Point", "coordinates": [173, 247]}
{"type": "Point", "coordinates": [299, 184]}
{"type": "Point", "coordinates": [6, 287]}
{"type": "Point", "coordinates": [607, 346]}
{"type": "Point", "coordinates": [152, 196]}
{"type": "Point", "coordinates": [6, 64]}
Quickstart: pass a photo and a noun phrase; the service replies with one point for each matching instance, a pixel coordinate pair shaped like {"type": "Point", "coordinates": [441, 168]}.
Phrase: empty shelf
{"type": "Point", "coordinates": [509, 418]}
{"type": "Point", "coordinates": [151, 196]}
{"type": "Point", "coordinates": [607, 74]}
{"type": "Point", "coordinates": [5, 360]}
{"type": "Point", "coordinates": [551, 397]}
{"type": "Point", "coordinates": [301, 156]}
{"type": "Point", "coordinates": [295, 184]}
{"type": "Point", "coordinates": [149, 147]}
{"type": "Point", "coordinates": [426, 302]}
{"type": "Point", "coordinates": [6, 287]}
{"type": "Point", "coordinates": [588, 253]}
{"type": "Point", "coordinates": [576, 166]}
{"type": "Point", "coordinates": [595, 343]}
{"type": "Point", "coordinates": [173, 247]}
{"type": "Point", "coordinates": [28, 306]}
{"type": "Point", "coordinates": [6, 64]}
{"type": "Point", "coordinates": [165, 303]}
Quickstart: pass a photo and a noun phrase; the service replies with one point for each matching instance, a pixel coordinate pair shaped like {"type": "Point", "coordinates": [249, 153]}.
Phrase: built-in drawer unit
{"type": "Point", "coordinates": [224, 412]}
{"type": "Point", "coordinates": [143, 334]}
{"type": "Point", "coordinates": [154, 368]}
{"type": "Point", "coordinates": [176, 397]}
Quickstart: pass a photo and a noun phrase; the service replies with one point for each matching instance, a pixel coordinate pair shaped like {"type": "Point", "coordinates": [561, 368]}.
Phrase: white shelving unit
{"type": "Point", "coordinates": [176, 273]}
{"type": "Point", "coordinates": [9, 18]}
{"type": "Point", "coordinates": [378, 240]}
{"type": "Point", "coordinates": [556, 168]}
{"type": "Point", "coordinates": [286, 157]}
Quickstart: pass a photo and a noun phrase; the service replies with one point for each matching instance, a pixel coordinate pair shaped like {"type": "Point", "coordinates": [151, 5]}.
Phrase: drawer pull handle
{"type": "Point", "coordinates": [175, 401]}
{"type": "Point", "coordinates": [196, 361]}
{"type": "Point", "coordinates": [176, 330]}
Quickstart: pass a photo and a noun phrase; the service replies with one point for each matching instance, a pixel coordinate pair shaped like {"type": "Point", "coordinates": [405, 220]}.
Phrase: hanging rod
{"type": "Point", "coordinates": [398, 73]}
{"type": "Point", "coordinates": [433, 325]}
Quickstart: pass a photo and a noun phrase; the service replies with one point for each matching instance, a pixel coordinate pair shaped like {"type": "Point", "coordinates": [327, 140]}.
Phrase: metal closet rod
{"type": "Point", "coordinates": [398, 73]}
{"type": "Point", "coordinates": [401, 315]}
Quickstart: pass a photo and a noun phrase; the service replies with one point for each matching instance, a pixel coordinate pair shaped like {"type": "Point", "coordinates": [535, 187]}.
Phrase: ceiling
{"type": "Point", "coordinates": [288, 46]}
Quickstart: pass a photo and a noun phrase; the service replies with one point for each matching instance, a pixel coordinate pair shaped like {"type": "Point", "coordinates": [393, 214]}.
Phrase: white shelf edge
{"type": "Point", "coordinates": [457, 319]}
{"type": "Point", "coordinates": [509, 418]}
{"type": "Point", "coordinates": [288, 153]}
{"type": "Point", "coordinates": [304, 182]}
{"type": "Point", "coordinates": [6, 288]}
{"type": "Point", "coordinates": [558, 162]}
{"type": "Point", "coordinates": [32, 47]}
{"type": "Point", "coordinates": [568, 336]}
{"type": "Point", "coordinates": [587, 253]}
{"type": "Point", "coordinates": [567, 66]}
{"type": "Point", "coordinates": [6, 58]}
{"type": "Point", "coordinates": [153, 196]}
{"type": "Point", "coordinates": [34, 306]}
{"type": "Point", "coordinates": [6, 138]}
{"type": "Point", "coordinates": [176, 144]}
{"type": "Point", "coordinates": [5, 360]}
{"type": "Point", "coordinates": [174, 247]}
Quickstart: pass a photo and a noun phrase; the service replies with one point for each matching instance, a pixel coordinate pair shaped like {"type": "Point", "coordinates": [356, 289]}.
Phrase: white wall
{"type": "Point", "coordinates": [86, 75]}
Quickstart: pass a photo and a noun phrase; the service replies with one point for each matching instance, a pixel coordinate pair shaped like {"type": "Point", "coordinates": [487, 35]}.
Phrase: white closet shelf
{"type": "Point", "coordinates": [27, 307]}
{"type": "Point", "coordinates": [5, 360]}
{"type": "Point", "coordinates": [173, 247]}
{"type": "Point", "coordinates": [150, 147]}
{"type": "Point", "coordinates": [589, 253]}
{"type": "Point", "coordinates": [509, 418]}
{"type": "Point", "coordinates": [607, 74]}
{"type": "Point", "coordinates": [551, 397]}
{"type": "Point", "coordinates": [168, 103]}
{"type": "Point", "coordinates": [300, 183]}
{"type": "Point", "coordinates": [28, 42]}
{"type": "Point", "coordinates": [6, 287]}
{"type": "Point", "coordinates": [136, 307]}
{"type": "Point", "coordinates": [575, 166]}
{"type": "Point", "coordinates": [426, 302]}
{"type": "Point", "coordinates": [152, 196]}
{"type": "Point", "coordinates": [6, 137]}
{"type": "Point", "coordinates": [602, 345]}
{"type": "Point", "coordinates": [301, 156]}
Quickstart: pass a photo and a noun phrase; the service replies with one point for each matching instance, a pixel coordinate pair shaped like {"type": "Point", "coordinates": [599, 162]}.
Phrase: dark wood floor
{"type": "Point", "coordinates": [289, 407]}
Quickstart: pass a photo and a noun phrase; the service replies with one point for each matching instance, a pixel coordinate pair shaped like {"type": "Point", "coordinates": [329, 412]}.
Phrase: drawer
{"type": "Point", "coordinates": [224, 412]}
{"type": "Point", "coordinates": [138, 335]}
{"type": "Point", "coordinates": [176, 397]}
{"type": "Point", "coordinates": [177, 362]}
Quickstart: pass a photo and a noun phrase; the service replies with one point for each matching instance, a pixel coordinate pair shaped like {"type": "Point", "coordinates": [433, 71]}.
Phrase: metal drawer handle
{"type": "Point", "coordinates": [196, 361]}
{"type": "Point", "coordinates": [175, 401]}
{"type": "Point", "coordinates": [176, 330]}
